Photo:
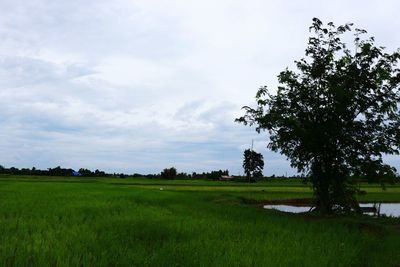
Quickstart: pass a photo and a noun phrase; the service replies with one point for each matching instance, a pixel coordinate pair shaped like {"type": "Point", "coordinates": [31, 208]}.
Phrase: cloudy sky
{"type": "Point", "coordinates": [140, 85]}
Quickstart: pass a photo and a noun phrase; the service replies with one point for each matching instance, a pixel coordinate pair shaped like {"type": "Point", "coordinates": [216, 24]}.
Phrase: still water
{"type": "Point", "coordinates": [388, 209]}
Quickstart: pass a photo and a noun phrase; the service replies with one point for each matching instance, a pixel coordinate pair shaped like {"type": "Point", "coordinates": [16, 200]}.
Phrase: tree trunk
{"type": "Point", "coordinates": [323, 198]}
{"type": "Point", "coordinates": [321, 183]}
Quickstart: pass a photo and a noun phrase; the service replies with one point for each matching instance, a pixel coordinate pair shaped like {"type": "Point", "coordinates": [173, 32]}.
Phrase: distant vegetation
{"type": "Point", "coordinates": [57, 171]}
{"type": "Point", "coordinates": [213, 175]}
{"type": "Point", "coordinates": [168, 173]}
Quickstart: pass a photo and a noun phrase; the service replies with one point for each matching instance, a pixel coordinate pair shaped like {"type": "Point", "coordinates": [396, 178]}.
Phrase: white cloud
{"type": "Point", "coordinates": [142, 85]}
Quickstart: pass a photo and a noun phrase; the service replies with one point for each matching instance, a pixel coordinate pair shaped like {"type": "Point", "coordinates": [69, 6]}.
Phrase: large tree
{"type": "Point", "coordinates": [337, 115]}
{"type": "Point", "coordinates": [253, 163]}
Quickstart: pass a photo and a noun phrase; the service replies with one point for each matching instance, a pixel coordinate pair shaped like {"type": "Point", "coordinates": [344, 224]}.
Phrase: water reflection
{"type": "Point", "coordinates": [387, 209]}
{"type": "Point", "coordinates": [288, 208]}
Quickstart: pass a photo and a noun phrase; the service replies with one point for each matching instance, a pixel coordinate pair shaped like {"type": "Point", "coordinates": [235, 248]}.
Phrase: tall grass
{"type": "Point", "coordinates": [104, 224]}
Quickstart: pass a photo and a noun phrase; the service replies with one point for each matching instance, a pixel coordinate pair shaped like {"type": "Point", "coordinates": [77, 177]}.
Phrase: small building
{"type": "Point", "coordinates": [74, 173]}
{"type": "Point", "coordinates": [225, 178]}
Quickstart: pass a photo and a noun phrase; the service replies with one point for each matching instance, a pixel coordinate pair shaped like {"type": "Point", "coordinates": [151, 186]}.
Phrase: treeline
{"type": "Point", "coordinates": [57, 171]}
{"type": "Point", "coordinates": [171, 173]}
{"type": "Point", "coordinates": [168, 173]}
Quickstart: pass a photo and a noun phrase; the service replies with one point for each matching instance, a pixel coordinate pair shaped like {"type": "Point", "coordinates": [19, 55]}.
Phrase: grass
{"type": "Point", "coordinates": [131, 222]}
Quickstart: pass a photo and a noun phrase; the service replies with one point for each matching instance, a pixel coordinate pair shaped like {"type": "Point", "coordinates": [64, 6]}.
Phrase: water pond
{"type": "Point", "coordinates": [387, 209]}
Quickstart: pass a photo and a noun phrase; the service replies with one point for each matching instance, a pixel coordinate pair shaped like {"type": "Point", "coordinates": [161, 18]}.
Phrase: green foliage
{"type": "Point", "coordinates": [337, 115]}
{"type": "Point", "coordinates": [57, 171]}
{"type": "Point", "coordinates": [253, 163]}
{"type": "Point", "coordinates": [169, 173]}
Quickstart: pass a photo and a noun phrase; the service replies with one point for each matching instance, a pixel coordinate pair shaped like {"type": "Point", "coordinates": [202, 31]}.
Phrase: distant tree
{"type": "Point", "coordinates": [86, 172]}
{"type": "Point", "coordinates": [98, 173]}
{"type": "Point", "coordinates": [253, 164]}
{"type": "Point", "coordinates": [214, 175]}
{"type": "Point", "coordinates": [337, 116]}
{"type": "Point", "coordinates": [25, 171]}
{"type": "Point", "coordinates": [169, 173]}
{"type": "Point", "coordinates": [14, 170]}
{"type": "Point", "coordinates": [58, 171]}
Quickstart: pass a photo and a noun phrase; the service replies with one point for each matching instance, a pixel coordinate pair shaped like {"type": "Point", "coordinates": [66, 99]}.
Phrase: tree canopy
{"type": "Point", "coordinates": [253, 163]}
{"type": "Point", "coordinates": [169, 173]}
{"type": "Point", "coordinates": [337, 115]}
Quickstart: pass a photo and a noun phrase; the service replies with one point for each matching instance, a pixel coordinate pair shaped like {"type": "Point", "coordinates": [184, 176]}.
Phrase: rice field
{"type": "Point", "coordinates": [47, 221]}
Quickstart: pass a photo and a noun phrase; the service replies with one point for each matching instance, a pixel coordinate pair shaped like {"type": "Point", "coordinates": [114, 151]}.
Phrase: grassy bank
{"type": "Point", "coordinates": [104, 222]}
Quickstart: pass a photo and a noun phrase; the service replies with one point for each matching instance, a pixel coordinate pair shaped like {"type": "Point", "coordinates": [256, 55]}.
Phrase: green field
{"type": "Point", "coordinates": [47, 221]}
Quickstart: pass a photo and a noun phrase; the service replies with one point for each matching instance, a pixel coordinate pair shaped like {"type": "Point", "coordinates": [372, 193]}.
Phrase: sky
{"type": "Point", "coordinates": [138, 86]}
